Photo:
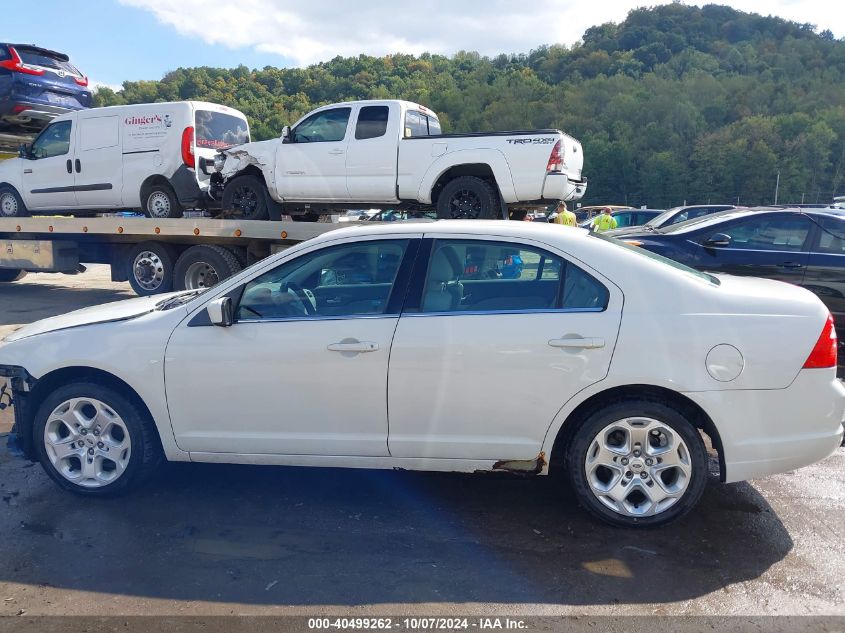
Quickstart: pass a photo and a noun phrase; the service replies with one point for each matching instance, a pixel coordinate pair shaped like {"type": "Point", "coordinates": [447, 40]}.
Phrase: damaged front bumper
{"type": "Point", "coordinates": [13, 393]}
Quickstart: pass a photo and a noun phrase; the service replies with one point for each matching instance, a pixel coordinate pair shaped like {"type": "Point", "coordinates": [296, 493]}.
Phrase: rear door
{"type": "Point", "coordinates": [771, 245]}
{"type": "Point", "coordinates": [372, 154]}
{"type": "Point", "coordinates": [495, 338]}
{"type": "Point", "coordinates": [312, 165]}
{"type": "Point", "coordinates": [48, 175]}
{"type": "Point", "coordinates": [98, 163]}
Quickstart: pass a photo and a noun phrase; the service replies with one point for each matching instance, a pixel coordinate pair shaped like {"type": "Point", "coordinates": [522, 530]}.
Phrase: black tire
{"type": "Point", "coordinates": [204, 266]}
{"type": "Point", "coordinates": [150, 267]}
{"type": "Point", "coordinates": [145, 455]}
{"type": "Point", "coordinates": [11, 203]}
{"type": "Point", "coordinates": [161, 203]}
{"type": "Point", "coordinates": [665, 414]}
{"type": "Point", "coordinates": [245, 197]}
{"type": "Point", "coordinates": [469, 198]}
{"type": "Point", "coordinates": [8, 275]}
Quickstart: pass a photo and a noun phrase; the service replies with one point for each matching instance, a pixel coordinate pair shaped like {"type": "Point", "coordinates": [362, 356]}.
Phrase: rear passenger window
{"type": "Point", "coordinates": [480, 276]}
{"type": "Point", "coordinates": [416, 124]}
{"type": "Point", "coordinates": [372, 122]}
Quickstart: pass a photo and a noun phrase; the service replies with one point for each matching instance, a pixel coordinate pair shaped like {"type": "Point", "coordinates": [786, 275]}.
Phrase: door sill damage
{"type": "Point", "coordinates": [521, 466]}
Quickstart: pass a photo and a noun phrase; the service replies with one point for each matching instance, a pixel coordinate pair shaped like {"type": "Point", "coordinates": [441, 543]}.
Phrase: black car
{"type": "Point", "coordinates": [676, 215]}
{"type": "Point", "coordinates": [805, 247]}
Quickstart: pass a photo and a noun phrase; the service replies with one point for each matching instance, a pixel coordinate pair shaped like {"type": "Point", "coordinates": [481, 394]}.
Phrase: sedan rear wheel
{"type": "Point", "coordinates": [638, 464]}
{"type": "Point", "coordinates": [94, 441]}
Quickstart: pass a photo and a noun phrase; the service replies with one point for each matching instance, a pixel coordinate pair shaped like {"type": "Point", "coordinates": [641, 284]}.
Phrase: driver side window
{"type": "Point", "coordinates": [338, 281]}
{"type": "Point", "coordinates": [54, 141]}
{"type": "Point", "coordinates": [322, 127]}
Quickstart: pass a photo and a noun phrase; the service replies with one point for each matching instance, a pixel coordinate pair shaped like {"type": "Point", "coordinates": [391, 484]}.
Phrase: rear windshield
{"type": "Point", "coordinates": [419, 124]}
{"type": "Point", "coordinates": [216, 130]}
{"type": "Point", "coordinates": [32, 57]}
{"type": "Point", "coordinates": [658, 258]}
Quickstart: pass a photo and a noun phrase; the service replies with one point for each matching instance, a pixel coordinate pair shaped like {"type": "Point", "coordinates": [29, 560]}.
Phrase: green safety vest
{"type": "Point", "coordinates": [604, 222]}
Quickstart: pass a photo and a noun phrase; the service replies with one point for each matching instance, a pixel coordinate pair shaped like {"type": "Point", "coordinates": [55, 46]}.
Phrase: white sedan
{"type": "Point", "coordinates": [462, 346]}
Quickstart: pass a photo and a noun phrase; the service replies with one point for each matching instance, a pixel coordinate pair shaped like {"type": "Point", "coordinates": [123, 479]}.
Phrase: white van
{"type": "Point", "coordinates": [145, 156]}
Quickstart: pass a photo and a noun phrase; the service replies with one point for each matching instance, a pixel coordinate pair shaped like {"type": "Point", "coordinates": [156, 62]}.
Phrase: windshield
{"type": "Point", "coordinates": [216, 130]}
{"type": "Point", "coordinates": [658, 258]}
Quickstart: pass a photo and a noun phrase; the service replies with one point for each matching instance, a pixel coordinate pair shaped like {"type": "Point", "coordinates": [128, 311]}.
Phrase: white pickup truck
{"type": "Point", "coordinates": [392, 154]}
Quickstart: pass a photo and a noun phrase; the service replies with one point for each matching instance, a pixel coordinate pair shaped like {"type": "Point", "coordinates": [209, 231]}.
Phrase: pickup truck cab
{"type": "Point", "coordinates": [392, 154]}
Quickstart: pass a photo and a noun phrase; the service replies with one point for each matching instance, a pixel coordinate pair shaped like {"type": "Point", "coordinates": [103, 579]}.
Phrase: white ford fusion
{"type": "Point", "coordinates": [453, 346]}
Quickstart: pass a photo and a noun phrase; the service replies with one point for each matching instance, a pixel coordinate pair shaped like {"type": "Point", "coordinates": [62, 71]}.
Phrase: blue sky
{"type": "Point", "coordinates": [123, 40]}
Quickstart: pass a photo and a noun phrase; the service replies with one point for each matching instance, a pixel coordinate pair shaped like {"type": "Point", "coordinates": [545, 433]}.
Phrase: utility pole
{"type": "Point", "coordinates": [777, 185]}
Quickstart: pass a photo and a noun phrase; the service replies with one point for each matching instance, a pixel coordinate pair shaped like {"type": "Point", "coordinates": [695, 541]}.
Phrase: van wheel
{"type": "Point", "coordinates": [637, 463]}
{"type": "Point", "coordinates": [161, 203]}
{"type": "Point", "coordinates": [204, 266]}
{"type": "Point", "coordinates": [467, 198]}
{"type": "Point", "coordinates": [8, 275]}
{"type": "Point", "coordinates": [94, 441]}
{"type": "Point", "coordinates": [151, 268]}
{"type": "Point", "coordinates": [244, 198]}
{"type": "Point", "coordinates": [11, 204]}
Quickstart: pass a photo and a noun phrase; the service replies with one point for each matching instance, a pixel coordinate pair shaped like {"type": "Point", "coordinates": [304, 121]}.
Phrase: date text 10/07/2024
{"type": "Point", "coordinates": [416, 624]}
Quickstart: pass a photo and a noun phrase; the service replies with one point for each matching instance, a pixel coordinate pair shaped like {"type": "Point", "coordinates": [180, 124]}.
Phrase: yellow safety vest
{"type": "Point", "coordinates": [566, 218]}
{"type": "Point", "coordinates": [604, 222]}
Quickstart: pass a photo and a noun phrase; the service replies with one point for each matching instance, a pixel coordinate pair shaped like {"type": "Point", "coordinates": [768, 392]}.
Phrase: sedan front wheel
{"type": "Point", "coordinates": [638, 464]}
{"type": "Point", "coordinates": [94, 441]}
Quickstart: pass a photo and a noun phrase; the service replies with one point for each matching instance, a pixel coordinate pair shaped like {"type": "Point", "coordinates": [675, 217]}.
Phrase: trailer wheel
{"type": "Point", "coordinates": [204, 266]}
{"type": "Point", "coordinates": [8, 275]}
{"type": "Point", "coordinates": [150, 268]}
{"type": "Point", "coordinates": [467, 198]}
{"type": "Point", "coordinates": [11, 204]}
{"type": "Point", "coordinates": [244, 198]}
{"type": "Point", "coordinates": [161, 203]}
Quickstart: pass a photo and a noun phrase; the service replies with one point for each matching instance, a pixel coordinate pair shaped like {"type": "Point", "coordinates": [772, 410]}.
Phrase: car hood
{"type": "Point", "coordinates": [106, 313]}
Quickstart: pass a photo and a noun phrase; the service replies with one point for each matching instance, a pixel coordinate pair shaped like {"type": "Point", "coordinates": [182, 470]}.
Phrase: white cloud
{"type": "Point", "coordinates": [308, 32]}
{"type": "Point", "coordinates": [93, 84]}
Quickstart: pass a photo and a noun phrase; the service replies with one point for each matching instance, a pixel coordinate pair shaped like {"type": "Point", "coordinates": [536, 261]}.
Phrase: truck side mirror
{"type": "Point", "coordinates": [718, 240]}
{"type": "Point", "coordinates": [24, 150]}
{"type": "Point", "coordinates": [286, 134]}
{"type": "Point", "coordinates": [220, 312]}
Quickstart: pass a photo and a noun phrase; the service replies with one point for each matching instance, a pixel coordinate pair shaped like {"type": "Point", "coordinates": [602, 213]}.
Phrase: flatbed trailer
{"type": "Point", "coordinates": [154, 256]}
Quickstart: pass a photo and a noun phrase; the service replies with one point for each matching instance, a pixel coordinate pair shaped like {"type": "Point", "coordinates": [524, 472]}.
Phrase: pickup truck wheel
{"type": "Point", "coordinates": [8, 275]}
{"type": "Point", "coordinates": [244, 198]}
{"type": "Point", "coordinates": [11, 204]}
{"type": "Point", "coordinates": [150, 268]}
{"type": "Point", "coordinates": [161, 203]}
{"type": "Point", "coordinates": [637, 463]}
{"type": "Point", "coordinates": [204, 266]}
{"type": "Point", "coordinates": [94, 441]}
{"type": "Point", "coordinates": [467, 198]}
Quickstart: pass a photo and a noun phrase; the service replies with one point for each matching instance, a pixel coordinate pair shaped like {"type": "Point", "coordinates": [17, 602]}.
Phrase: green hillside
{"type": "Point", "coordinates": [674, 104]}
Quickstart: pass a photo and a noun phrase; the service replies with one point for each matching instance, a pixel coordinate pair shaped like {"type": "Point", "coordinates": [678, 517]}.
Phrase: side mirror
{"type": "Point", "coordinates": [718, 240]}
{"type": "Point", "coordinates": [220, 312]}
{"type": "Point", "coordinates": [286, 134]}
{"type": "Point", "coordinates": [23, 150]}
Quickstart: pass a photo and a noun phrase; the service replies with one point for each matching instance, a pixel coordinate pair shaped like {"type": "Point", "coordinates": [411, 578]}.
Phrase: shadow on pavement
{"type": "Point", "coordinates": [25, 303]}
{"type": "Point", "coordinates": [295, 536]}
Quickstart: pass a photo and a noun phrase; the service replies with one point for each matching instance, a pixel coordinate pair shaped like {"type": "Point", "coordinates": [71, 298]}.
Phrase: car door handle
{"type": "Point", "coordinates": [27, 171]}
{"type": "Point", "coordinates": [577, 343]}
{"type": "Point", "coordinates": [792, 265]}
{"type": "Point", "coordinates": [360, 347]}
{"type": "Point", "coordinates": [336, 152]}
{"type": "Point", "coordinates": [69, 166]}
{"type": "Point", "coordinates": [78, 166]}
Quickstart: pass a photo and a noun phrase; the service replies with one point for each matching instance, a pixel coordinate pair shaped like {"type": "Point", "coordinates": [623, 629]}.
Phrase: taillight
{"type": "Point", "coordinates": [16, 64]}
{"type": "Point", "coordinates": [188, 147]}
{"type": "Point", "coordinates": [82, 81]}
{"type": "Point", "coordinates": [556, 158]}
{"type": "Point", "coordinates": [824, 353]}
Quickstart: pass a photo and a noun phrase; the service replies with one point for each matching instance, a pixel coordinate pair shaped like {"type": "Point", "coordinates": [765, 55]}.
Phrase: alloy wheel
{"type": "Point", "coordinates": [465, 204]}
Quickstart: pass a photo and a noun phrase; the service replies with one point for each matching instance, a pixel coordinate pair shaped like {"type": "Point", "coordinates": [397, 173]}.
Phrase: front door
{"type": "Point", "coordinates": [48, 175]}
{"type": "Point", "coordinates": [303, 370]}
{"type": "Point", "coordinates": [500, 337]}
{"type": "Point", "coordinates": [771, 245]}
{"type": "Point", "coordinates": [99, 163]}
{"type": "Point", "coordinates": [312, 166]}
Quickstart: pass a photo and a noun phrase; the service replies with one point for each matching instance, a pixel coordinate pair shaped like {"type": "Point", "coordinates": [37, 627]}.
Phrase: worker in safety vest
{"type": "Point", "coordinates": [603, 222]}
{"type": "Point", "coordinates": [564, 216]}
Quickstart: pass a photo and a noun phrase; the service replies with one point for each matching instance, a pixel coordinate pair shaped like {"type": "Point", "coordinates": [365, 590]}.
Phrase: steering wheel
{"type": "Point", "coordinates": [305, 296]}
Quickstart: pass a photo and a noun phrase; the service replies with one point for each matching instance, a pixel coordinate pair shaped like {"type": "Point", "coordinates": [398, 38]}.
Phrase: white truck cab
{"type": "Point", "coordinates": [121, 157]}
{"type": "Point", "coordinates": [390, 154]}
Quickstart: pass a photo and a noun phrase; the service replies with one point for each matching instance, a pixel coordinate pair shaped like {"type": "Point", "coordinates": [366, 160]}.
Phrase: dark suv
{"type": "Point", "coordinates": [36, 85]}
